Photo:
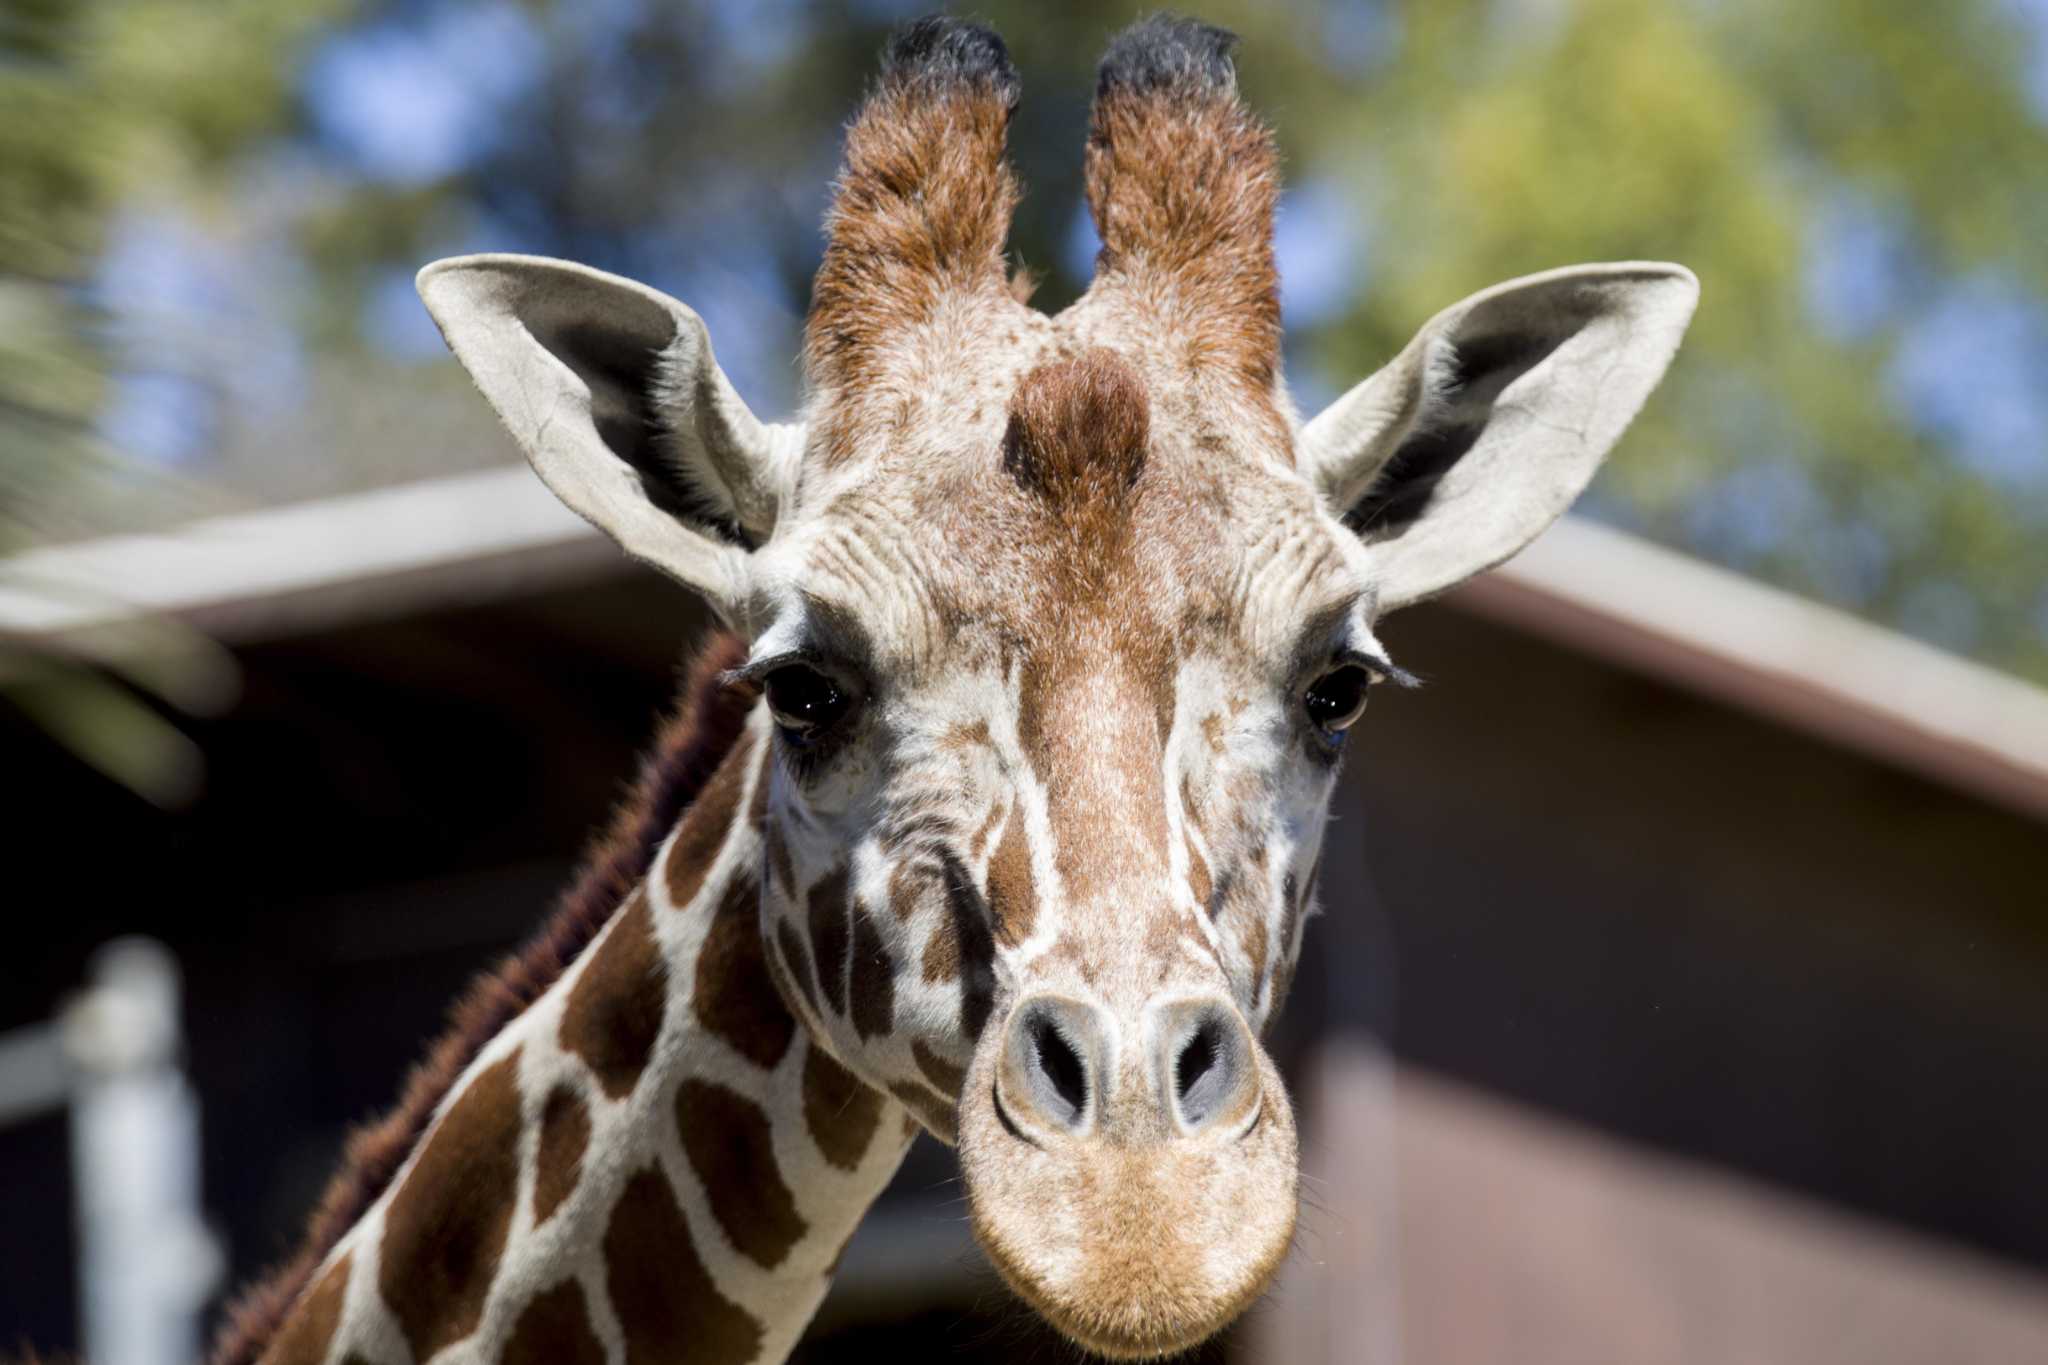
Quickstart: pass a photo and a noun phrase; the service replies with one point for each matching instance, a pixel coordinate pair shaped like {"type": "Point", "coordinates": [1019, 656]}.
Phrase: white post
{"type": "Point", "coordinates": [146, 1259]}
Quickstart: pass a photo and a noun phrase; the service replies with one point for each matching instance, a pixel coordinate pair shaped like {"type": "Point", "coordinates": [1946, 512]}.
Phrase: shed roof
{"type": "Point", "coordinates": [1610, 595]}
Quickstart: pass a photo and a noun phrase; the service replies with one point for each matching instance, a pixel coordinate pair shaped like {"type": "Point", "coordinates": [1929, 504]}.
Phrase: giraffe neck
{"type": "Point", "coordinates": [653, 1162]}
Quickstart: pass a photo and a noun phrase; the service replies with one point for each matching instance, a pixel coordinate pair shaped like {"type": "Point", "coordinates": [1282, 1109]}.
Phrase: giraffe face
{"type": "Point", "coordinates": [1058, 723]}
{"type": "Point", "coordinates": [1063, 621]}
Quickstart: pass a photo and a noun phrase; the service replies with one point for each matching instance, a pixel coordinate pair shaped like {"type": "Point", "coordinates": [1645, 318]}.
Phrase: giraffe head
{"type": "Point", "coordinates": [1063, 623]}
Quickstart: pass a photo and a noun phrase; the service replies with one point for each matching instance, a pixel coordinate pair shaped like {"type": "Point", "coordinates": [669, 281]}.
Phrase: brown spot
{"type": "Point", "coordinates": [445, 1228]}
{"type": "Point", "coordinates": [839, 1109]}
{"type": "Point", "coordinates": [829, 912]}
{"type": "Point", "coordinates": [798, 960]}
{"type": "Point", "coordinates": [904, 889]}
{"type": "Point", "coordinates": [1212, 731]}
{"type": "Point", "coordinates": [1199, 878]}
{"type": "Point", "coordinates": [1220, 894]}
{"type": "Point", "coordinates": [911, 1127]}
{"type": "Point", "coordinates": [666, 1301]}
{"type": "Point", "coordinates": [941, 954]}
{"type": "Point", "coordinates": [988, 827]}
{"type": "Point", "coordinates": [1076, 438]}
{"type": "Point", "coordinates": [1012, 891]}
{"type": "Point", "coordinates": [1255, 948]}
{"type": "Point", "coordinates": [732, 1149]}
{"type": "Point", "coordinates": [1283, 981]}
{"type": "Point", "coordinates": [554, 1329]}
{"type": "Point", "coordinates": [615, 1008]}
{"type": "Point", "coordinates": [974, 945]}
{"type": "Point", "coordinates": [965, 736]}
{"type": "Point", "coordinates": [936, 1114]}
{"type": "Point", "coordinates": [943, 1075]}
{"type": "Point", "coordinates": [304, 1337]}
{"type": "Point", "coordinates": [564, 1133]}
{"type": "Point", "coordinates": [734, 997]}
{"type": "Point", "coordinates": [874, 977]}
{"type": "Point", "coordinates": [705, 829]}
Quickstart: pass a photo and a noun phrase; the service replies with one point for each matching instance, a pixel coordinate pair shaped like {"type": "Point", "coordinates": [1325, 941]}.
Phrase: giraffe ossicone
{"type": "Point", "coordinates": [1048, 631]}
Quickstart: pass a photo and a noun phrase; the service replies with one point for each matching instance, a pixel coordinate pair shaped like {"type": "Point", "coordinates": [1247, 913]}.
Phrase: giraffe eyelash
{"type": "Point", "coordinates": [1382, 669]}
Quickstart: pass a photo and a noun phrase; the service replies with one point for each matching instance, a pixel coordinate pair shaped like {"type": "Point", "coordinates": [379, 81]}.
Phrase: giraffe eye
{"type": "Point", "coordinates": [1336, 700]}
{"type": "Point", "coordinates": [804, 702]}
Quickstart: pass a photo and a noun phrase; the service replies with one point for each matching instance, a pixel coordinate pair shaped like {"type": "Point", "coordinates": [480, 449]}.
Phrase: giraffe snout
{"type": "Point", "coordinates": [1129, 1171]}
{"type": "Point", "coordinates": [1188, 1070]}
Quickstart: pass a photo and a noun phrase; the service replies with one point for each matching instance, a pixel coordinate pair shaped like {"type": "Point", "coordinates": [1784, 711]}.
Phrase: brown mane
{"type": "Point", "coordinates": [690, 745]}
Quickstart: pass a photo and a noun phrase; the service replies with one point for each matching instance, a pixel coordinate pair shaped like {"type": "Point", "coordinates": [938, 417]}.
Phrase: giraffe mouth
{"type": "Point", "coordinates": [1133, 1232]}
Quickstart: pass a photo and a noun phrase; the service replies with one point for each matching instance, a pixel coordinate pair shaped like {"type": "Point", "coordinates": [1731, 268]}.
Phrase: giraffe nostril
{"type": "Point", "coordinates": [1213, 1074]}
{"type": "Point", "coordinates": [1053, 1060]}
{"type": "Point", "coordinates": [1196, 1063]}
{"type": "Point", "coordinates": [1064, 1094]}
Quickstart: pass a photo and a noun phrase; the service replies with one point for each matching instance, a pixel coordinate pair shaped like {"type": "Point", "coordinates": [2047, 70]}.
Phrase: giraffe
{"type": "Point", "coordinates": [995, 812]}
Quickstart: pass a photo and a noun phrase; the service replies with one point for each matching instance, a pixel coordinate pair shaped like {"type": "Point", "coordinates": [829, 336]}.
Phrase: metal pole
{"type": "Point", "coordinates": [146, 1258]}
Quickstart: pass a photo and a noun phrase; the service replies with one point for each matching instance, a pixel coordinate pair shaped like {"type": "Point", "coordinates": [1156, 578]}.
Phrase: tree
{"type": "Point", "coordinates": [1858, 414]}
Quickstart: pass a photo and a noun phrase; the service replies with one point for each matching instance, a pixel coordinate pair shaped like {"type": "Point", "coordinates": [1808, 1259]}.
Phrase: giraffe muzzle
{"type": "Point", "coordinates": [1131, 1173]}
{"type": "Point", "coordinates": [1065, 1073]}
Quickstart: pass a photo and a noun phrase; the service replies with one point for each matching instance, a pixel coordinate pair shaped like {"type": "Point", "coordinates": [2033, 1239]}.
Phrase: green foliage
{"type": "Point", "coordinates": [1474, 140]}
{"type": "Point", "coordinates": [1714, 135]}
{"type": "Point", "coordinates": [106, 103]}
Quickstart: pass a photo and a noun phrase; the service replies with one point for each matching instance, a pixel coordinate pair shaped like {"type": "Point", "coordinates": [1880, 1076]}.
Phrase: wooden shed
{"type": "Point", "coordinates": [1681, 992]}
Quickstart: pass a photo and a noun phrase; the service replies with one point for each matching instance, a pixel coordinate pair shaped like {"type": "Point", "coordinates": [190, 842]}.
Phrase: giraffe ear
{"type": "Point", "coordinates": [611, 390]}
{"type": "Point", "coordinates": [1494, 418]}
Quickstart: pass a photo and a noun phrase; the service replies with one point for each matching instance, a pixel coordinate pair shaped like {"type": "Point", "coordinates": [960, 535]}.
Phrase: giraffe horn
{"type": "Point", "coordinates": [1182, 180]}
{"type": "Point", "coordinates": [923, 203]}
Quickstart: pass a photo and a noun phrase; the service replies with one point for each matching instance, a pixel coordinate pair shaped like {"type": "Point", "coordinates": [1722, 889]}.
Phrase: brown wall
{"type": "Point", "coordinates": [1550, 882]}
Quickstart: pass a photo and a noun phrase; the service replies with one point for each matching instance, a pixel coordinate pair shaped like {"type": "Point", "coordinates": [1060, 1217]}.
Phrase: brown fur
{"type": "Point", "coordinates": [727, 1138]}
{"type": "Point", "coordinates": [614, 1012]}
{"type": "Point", "coordinates": [705, 829]}
{"type": "Point", "coordinates": [554, 1329]}
{"type": "Point", "coordinates": [688, 750]}
{"type": "Point", "coordinates": [829, 931]}
{"type": "Point", "coordinates": [941, 960]}
{"type": "Point", "coordinates": [304, 1340]}
{"type": "Point", "coordinates": [671, 1310]}
{"type": "Point", "coordinates": [1199, 885]}
{"type": "Point", "coordinates": [945, 1077]}
{"type": "Point", "coordinates": [798, 959]}
{"type": "Point", "coordinates": [564, 1133]}
{"type": "Point", "coordinates": [1012, 892]}
{"type": "Point", "coordinates": [841, 1112]}
{"type": "Point", "coordinates": [936, 1113]}
{"type": "Point", "coordinates": [1076, 437]}
{"type": "Point", "coordinates": [921, 212]}
{"type": "Point", "coordinates": [872, 991]}
{"type": "Point", "coordinates": [734, 997]}
{"type": "Point", "coordinates": [1182, 180]}
{"type": "Point", "coordinates": [445, 1228]}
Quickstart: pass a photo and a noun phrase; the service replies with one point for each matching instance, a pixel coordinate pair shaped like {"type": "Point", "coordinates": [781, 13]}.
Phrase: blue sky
{"type": "Point", "coordinates": [430, 89]}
